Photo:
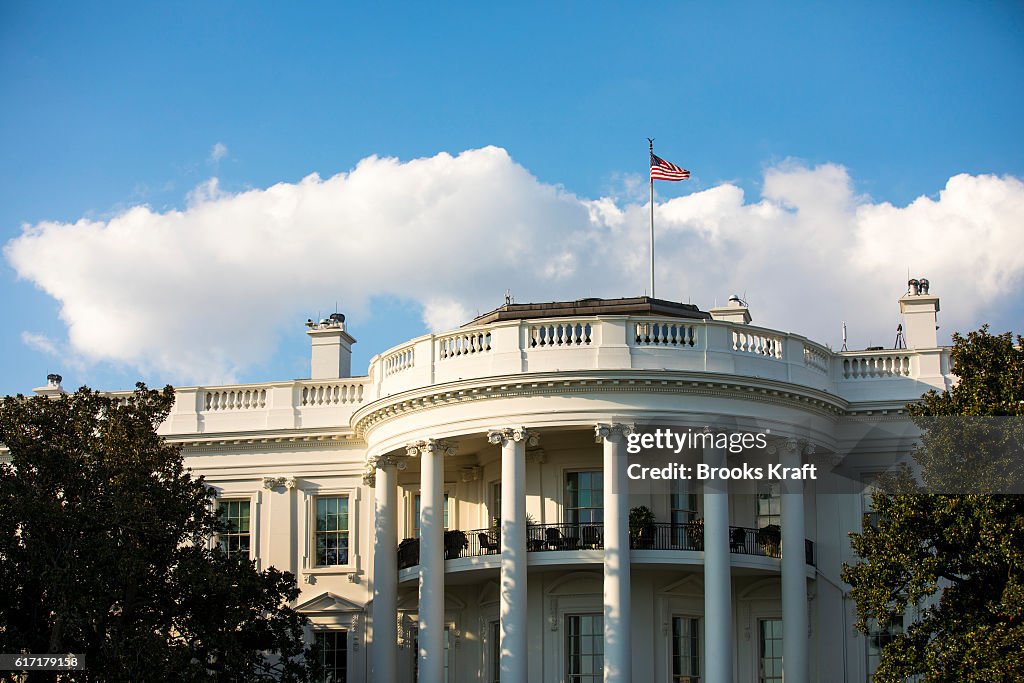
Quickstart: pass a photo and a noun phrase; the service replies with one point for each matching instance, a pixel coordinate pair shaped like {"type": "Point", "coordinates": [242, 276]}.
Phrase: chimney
{"type": "Point", "coordinates": [919, 320]}
{"type": "Point", "coordinates": [332, 348]}
{"type": "Point", "coordinates": [52, 387]}
{"type": "Point", "coordinates": [735, 312]}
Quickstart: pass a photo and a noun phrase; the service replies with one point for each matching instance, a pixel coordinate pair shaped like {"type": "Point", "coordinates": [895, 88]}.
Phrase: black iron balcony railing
{"type": "Point", "coordinates": [765, 542]}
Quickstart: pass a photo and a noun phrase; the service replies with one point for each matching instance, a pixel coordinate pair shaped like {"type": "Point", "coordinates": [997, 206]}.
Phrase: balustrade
{"type": "Point", "coordinates": [560, 334]}
{"type": "Point", "coordinates": [664, 333]}
{"type": "Point", "coordinates": [562, 536]}
{"type": "Point", "coordinates": [332, 394]}
{"type": "Point", "coordinates": [757, 343]}
{"type": "Point", "coordinates": [400, 360]}
{"type": "Point", "coordinates": [235, 399]}
{"type": "Point", "coordinates": [815, 358]}
{"type": "Point", "coordinates": [464, 344]}
{"type": "Point", "coordinates": [876, 366]}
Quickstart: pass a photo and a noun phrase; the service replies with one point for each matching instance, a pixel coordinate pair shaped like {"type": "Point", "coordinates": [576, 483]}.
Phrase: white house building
{"type": "Point", "coordinates": [462, 512]}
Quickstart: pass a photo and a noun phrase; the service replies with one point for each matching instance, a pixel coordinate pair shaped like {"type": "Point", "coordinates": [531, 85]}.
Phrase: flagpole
{"type": "Point", "coordinates": [650, 142]}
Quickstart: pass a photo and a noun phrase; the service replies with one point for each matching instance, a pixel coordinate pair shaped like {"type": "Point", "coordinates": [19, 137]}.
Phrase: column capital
{"type": "Point", "coordinates": [418, 448]}
{"type": "Point", "coordinates": [370, 474]}
{"type": "Point", "coordinates": [397, 460]}
{"type": "Point", "coordinates": [612, 430]}
{"type": "Point", "coordinates": [271, 483]}
{"type": "Point", "coordinates": [503, 435]}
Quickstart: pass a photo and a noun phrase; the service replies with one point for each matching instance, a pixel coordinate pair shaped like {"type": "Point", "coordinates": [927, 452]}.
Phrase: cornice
{"type": "Point", "coordinates": [567, 383]}
{"type": "Point", "coordinates": [261, 440]}
{"type": "Point", "coordinates": [580, 382]}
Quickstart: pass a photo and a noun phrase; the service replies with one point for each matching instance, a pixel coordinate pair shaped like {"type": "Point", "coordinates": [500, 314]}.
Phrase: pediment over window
{"type": "Point", "coordinates": [410, 602]}
{"type": "Point", "coordinates": [764, 589]}
{"type": "Point", "coordinates": [578, 583]}
{"type": "Point", "coordinates": [328, 603]}
{"type": "Point", "coordinates": [688, 586]}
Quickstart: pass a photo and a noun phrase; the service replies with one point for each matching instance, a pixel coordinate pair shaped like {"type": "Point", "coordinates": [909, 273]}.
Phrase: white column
{"type": "Point", "coordinates": [618, 666]}
{"type": "Point", "coordinates": [794, 571]}
{"type": "Point", "coordinates": [718, 635]}
{"type": "Point", "coordinates": [385, 567]}
{"type": "Point", "coordinates": [431, 605]}
{"type": "Point", "coordinates": [513, 596]}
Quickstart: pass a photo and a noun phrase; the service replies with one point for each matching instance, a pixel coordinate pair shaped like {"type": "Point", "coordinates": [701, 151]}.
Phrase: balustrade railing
{"type": "Point", "coordinates": [400, 360]}
{"type": "Point", "coordinates": [664, 333]}
{"type": "Point", "coordinates": [816, 358]}
{"type": "Point", "coordinates": [464, 344]}
{"type": "Point", "coordinates": [689, 536]}
{"type": "Point", "coordinates": [757, 343]}
{"type": "Point", "coordinates": [235, 399]}
{"type": "Point", "coordinates": [332, 394]}
{"type": "Point", "coordinates": [877, 365]}
{"type": "Point", "coordinates": [560, 334]}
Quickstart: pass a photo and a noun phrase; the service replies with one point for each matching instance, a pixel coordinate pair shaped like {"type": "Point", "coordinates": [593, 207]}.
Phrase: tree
{"type": "Point", "coordinates": [955, 558]}
{"type": "Point", "coordinates": [105, 550]}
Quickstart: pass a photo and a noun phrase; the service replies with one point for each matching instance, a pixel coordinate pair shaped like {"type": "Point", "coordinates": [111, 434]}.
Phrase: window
{"type": "Point", "coordinates": [415, 633]}
{"type": "Point", "coordinates": [416, 515]}
{"type": "Point", "coordinates": [877, 639]}
{"type": "Point", "coordinates": [683, 510]}
{"type": "Point", "coordinates": [234, 540]}
{"type": "Point", "coordinates": [769, 506]}
{"type": "Point", "coordinates": [770, 650]}
{"type": "Point", "coordinates": [584, 648]}
{"type": "Point", "coordinates": [685, 650]}
{"type": "Point", "coordinates": [332, 525]}
{"type": "Point", "coordinates": [496, 510]}
{"type": "Point", "coordinates": [332, 648]}
{"type": "Point", "coordinates": [584, 497]}
{"type": "Point", "coordinates": [495, 652]}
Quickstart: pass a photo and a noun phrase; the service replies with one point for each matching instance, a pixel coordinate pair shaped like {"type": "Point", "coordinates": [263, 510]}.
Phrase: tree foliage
{"type": "Point", "coordinates": [952, 564]}
{"type": "Point", "coordinates": [105, 550]}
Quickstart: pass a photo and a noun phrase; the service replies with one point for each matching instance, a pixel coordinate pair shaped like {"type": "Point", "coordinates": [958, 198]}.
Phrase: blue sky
{"type": "Point", "coordinates": [808, 126]}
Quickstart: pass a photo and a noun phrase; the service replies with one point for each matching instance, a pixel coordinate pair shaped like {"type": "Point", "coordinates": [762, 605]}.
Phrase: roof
{"type": "Point", "coordinates": [639, 305]}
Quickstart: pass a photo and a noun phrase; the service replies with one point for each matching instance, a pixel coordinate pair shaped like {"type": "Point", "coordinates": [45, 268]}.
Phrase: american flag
{"type": "Point", "coordinates": [664, 170]}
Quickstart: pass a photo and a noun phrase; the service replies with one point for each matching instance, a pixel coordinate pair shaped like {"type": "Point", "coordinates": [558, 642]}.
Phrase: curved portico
{"type": "Point", "coordinates": [544, 540]}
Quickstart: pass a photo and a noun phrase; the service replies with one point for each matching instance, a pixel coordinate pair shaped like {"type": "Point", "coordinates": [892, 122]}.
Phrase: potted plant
{"type": "Point", "coordinates": [408, 553]}
{"type": "Point", "coordinates": [641, 527]}
{"type": "Point", "coordinates": [455, 542]}
{"type": "Point", "coordinates": [770, 538]}
{"type": "Point", "coordinates": [695, 533]}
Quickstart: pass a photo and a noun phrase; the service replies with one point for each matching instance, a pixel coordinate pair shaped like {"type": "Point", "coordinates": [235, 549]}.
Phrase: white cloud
{"type": "Point", "coordinates": [199, 294]}
{"type": "Point", "coordinates": [218, 152]}
{"type": "Point", "coordinates": [39, 342]}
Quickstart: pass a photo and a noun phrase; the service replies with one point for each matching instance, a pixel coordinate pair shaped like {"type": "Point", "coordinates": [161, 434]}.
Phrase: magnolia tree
{"type": "Point", "coordinates": [105, 551]}
{"type": "Point", "coordinates": [945, 555]}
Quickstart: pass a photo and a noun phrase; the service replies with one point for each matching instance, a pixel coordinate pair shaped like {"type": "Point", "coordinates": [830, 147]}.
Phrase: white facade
{"type": "Point", "coordinates": [513, 431]}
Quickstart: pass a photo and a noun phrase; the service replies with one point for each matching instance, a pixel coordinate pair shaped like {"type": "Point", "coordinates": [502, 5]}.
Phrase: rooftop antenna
{"type": "Point", "coordinates": [901, 342]}
{"type": "Point", "coordinates": [844, 337]}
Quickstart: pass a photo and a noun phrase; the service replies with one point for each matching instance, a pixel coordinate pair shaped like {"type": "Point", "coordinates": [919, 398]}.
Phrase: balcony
{"type": "Point", "coordinates": [548, 538]}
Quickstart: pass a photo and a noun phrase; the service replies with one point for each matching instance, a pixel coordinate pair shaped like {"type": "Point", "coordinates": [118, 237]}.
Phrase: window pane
{"type": "Point", "coordinates": [495, 652]}
{"type": "Point", "coordinates": [332, 647]}
{"type": "Point", "coordinates": [584, 498]}
{"type": "Point", "coordinates": [771, 650]}
{"type": "Point", "coordinates": [234, 540]}
{"type": "Point", "coordinates": [416, 515]}
{"type": "Point", "coordinates": [769, 506]}
{"type": "Point", "coordinates": [584, 647]}
{"type": "Point", "coordinates": [685, 650]}
{"type": "Point", "coordinates": [332, 530]}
